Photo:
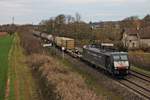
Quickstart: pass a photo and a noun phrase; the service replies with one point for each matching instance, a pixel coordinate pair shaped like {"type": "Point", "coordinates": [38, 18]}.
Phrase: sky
{"type": "Point", "coordinates": [33, 11]}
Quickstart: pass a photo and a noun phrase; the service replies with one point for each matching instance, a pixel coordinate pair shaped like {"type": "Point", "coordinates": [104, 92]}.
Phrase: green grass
{"type": "Point", "coordinates": [138, 69]}
{"type": "Point", "coordinates": [11, 86]}
{"type": "Point", "coordinates": [22, 84]}
{"type": "Point", "coordinates": [140, 59]}
{"type": "Point", "coordinates": [5, 45]}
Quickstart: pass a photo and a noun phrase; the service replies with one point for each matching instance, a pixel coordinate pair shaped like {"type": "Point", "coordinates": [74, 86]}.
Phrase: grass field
{"type": "Point", "coordinates": [5, 45]}
{"type": "Point", "coordinates": [22, 85]}
{"type": "Point", "coordinates": [140, 59]}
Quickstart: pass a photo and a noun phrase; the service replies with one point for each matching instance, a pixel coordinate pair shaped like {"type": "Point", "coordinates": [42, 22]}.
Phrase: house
{"type": "Point", "coordinates": [145, 36]}
{"type": "Point", "coordinates": [136, 38]}
{"type": "Point", "coordinates": [130, 38]}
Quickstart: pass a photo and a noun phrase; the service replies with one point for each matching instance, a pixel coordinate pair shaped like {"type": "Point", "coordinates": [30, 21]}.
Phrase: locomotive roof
{"type": "Point", "coordinates": [102, 51]}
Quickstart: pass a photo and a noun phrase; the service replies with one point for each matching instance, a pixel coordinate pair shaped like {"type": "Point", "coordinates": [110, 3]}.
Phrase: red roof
{"type": "Point", "coordinates": [131, 31]}
{"type": "Point", "coordinates": [144, 33]}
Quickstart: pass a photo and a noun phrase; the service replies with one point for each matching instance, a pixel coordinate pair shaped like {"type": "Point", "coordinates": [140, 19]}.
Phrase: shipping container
{"type": "Point", "coordinates": [67, 43]}
{"type": "Point", "coordinates": [58, 41]}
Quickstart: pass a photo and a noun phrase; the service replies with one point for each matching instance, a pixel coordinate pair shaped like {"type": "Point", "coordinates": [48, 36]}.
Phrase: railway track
{"type": "Point", "coordinates": [139, 83]}
{"type": "Point", "coordinates": [138, 89]}
{"type": "Point", "coordinates": [140, 75]}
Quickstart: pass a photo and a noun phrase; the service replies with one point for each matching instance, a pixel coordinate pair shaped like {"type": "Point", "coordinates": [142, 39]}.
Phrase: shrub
{"type": "Point", "coordinates": [30, 43]}
{"type": "Point", "coordinates": [65, 84]}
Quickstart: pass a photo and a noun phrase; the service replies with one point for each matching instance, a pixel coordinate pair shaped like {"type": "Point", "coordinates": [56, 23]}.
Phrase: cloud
{"type": "Point", "coordinates": [36, 10]}
{"type": "Point", "coordinates": [79, 1]}
{"type": "Point", "coordinates": [99, 1]}
{"type": "Point", "coordinates": [15, 7]}
{"type": "Point", "coordinates": [84, 1]}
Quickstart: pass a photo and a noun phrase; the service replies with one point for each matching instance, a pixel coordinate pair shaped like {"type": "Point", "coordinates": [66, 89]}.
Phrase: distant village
{"type": "Point", "coordinates": [132, 37]}
{"type": "Point", "coordinates": [135, 33]}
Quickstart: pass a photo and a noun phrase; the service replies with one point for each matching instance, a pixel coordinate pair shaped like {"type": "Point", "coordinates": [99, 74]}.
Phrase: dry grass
{"type": "Point", "coordinates": [68, 85]}
{"type": "Point", "coordinates": [140, 59]}
{"type": "Point", "coordinates": [30, 43]}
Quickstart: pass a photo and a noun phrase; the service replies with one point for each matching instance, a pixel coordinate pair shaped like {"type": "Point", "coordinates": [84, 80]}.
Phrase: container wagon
{"type": "Point", "coordinates": [37, 33]}
{"type": "Point", "coordinates": [66, 43]}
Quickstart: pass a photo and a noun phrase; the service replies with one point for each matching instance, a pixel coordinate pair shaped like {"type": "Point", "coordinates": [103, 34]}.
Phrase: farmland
{"type": "Point", "coordinates": [5, 45]}
{"type": "Point", "coordinates": [21, 84]}
{"type": "Point", "coordinates": [140, 59]}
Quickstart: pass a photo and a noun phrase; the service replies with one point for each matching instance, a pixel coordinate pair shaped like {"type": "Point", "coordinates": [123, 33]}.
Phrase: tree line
{"type": "Point", "coordinates": [74, 27]}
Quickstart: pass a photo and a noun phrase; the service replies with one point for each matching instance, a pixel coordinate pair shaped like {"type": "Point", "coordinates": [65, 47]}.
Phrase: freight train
{"type": "Point", "coordinates": [63, 43]}
{"type": "Point", "coordinates": [114, 62]}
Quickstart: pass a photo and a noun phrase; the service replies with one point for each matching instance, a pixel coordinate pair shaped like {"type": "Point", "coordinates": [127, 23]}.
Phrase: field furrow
{"type": "Point", "coordinates": [22, 83]}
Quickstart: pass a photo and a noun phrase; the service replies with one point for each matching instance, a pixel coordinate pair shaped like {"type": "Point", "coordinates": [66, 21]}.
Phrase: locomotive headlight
{"type": "Point", "coordinates": [115, 67]}
{"type": "Point", "coordinates": [126, 63]}
{"type": "Point", "coordinates": [115, 64]}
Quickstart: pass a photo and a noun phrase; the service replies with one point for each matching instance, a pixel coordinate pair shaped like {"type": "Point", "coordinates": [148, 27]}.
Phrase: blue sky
{"type": "Point", "coordinates": [33, 11]}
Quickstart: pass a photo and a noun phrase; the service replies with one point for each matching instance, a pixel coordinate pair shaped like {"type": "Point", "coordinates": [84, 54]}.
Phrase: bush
{"type": "Point", "coordinates": [145, 47]}
{"type": "Point", "coordinates": [65, 84]}
{"type": "Point", "coordinates": [140, 59]}
{"type": "Point", "coordinates": [30, 43]}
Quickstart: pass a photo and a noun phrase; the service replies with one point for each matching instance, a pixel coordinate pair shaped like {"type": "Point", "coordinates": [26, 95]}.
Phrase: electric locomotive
{"type": "Point", "coordinates": [114, 62]}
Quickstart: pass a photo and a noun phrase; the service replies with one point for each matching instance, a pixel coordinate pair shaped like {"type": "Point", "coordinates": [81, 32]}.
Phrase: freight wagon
{"type": "Point", "coordinates": [37, 33]}
{"type": "Point", "coordinates": [44, 36]}
{"type": "Point", "coordinates": [67, 43]}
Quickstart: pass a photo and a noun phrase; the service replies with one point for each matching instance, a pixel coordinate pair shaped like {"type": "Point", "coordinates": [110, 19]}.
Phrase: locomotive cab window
{"type": "Point", "coordinates": [120, 57]}
{"type": "Point", "coordinates": [116, 57]}
{"type": "Point", "coordinates": [124, 57]}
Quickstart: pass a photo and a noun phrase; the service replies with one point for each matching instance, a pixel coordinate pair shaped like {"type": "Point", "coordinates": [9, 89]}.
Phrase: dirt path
{"type": "Point", "coordinates": [7, 89]}
{"type": "Point", "coordinates": [21, 85]}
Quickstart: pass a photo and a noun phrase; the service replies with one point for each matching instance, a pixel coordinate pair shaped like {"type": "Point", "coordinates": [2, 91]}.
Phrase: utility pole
{"type": "Point", "coordinates": [13, 20]}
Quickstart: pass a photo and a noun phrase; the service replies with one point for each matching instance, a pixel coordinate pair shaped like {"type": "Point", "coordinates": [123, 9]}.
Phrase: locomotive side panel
{"type": "Point", "coordinates": [95, 58]}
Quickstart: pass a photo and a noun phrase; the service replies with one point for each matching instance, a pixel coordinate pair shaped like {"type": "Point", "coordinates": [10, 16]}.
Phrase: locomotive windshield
{"type": "Point", "coordinates": [120, 57]}
{"type": "Point", "coordinates": [124, 57]}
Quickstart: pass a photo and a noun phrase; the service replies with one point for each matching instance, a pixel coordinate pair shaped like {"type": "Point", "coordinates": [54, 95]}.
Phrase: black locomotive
{"type": "Point", "coordinates": [115, 62]}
